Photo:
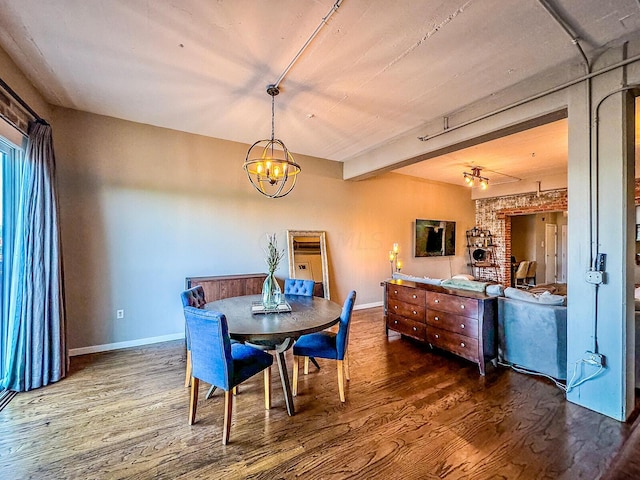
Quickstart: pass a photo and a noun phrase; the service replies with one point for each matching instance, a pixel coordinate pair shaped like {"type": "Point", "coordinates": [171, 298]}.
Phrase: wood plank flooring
{"type": "Point", "coordinates": [411, 413]}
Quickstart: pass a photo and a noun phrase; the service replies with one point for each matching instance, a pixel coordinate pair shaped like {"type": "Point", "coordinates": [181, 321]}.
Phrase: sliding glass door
{"type": "Point", "coordinates": [8, 154]}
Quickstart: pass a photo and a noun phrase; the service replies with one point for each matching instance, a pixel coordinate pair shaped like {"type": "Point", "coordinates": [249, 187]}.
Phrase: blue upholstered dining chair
{"type": "Point", "coordinates": [294, 286]}
{"type": "Point", "coordinates": [327, 345]}
{"type": "Point", "coordinates": [194, 297]}
{"type": "Point", "coordinates": [219, 362]}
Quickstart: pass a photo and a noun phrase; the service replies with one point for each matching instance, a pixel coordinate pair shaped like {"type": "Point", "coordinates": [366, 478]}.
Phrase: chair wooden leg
{"type": "Point", "coordinates": [306, 365]}
{"type": "Point", "coordinates": [228, 410]}
{"type": "Point", "coordinates": [267, 388]}
{"type": "Point", "coordinates": [193, 403]}
{"type": "Point", "coordinates": [341, 379]}
{"type": "Point", "coordinates": [187, 378]}
{"type": "Point", "coordinates": [295, 375]}
{"type": "Point", "coordinates": [346, 366]}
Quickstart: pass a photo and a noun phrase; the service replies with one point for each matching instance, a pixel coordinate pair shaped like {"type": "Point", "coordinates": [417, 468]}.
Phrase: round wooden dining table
{"type": "Point", "coordinates": [277, 331]}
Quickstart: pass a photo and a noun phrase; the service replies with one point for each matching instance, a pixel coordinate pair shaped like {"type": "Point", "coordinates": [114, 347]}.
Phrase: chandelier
{"type": "Point", "coordinates": [270, 167]}
{"type": "Point", "coordinates": [474, 178]}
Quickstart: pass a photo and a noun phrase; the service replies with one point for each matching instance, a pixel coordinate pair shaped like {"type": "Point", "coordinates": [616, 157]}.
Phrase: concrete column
{"type": "Point", "coordinates": [600, 221]}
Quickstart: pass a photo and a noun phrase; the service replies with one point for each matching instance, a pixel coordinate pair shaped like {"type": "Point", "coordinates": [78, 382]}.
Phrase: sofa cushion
{"type": "Point", "coordinates": [495, 290]}
{"type": "Point", "coordinates": [545, 298]}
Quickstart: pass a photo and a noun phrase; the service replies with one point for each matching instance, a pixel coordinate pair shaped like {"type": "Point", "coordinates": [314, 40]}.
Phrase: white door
{"type": "Point", "coordinates": [550, 253]}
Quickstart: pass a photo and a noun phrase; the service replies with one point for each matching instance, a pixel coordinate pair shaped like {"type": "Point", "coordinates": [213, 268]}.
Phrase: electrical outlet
{"type": "Point", "coordinates": [596, 359]}
{"type": "Point", "coordinates": [119, 313]}
{"type": "Point", "coordinates": [594, 276]}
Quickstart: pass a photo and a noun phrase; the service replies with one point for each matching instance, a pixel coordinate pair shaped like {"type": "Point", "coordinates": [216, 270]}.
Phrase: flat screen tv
{"type": "Point", "coordinates": [435, 238]}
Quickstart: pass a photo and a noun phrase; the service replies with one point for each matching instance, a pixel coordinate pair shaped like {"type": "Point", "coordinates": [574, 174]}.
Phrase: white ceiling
{"type": "Point", "coordinates": [537, 152]}
{"type": "Point", "coordinates": [378, 69]}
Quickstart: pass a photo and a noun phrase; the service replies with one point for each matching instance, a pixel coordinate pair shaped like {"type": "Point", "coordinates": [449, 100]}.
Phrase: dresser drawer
{"type": "Point", "coordinates": [452, 304]}
{"type": "Point", "coordinates": [403, 294]}
{"type": "Point", "coordinates": [407, 327]}
{"type": "Point", "coordinates": [408, 310]}
{"type": "Point", "coordinates": [466, 326]}
{"type": "Point", "coordinates": [461, 345]}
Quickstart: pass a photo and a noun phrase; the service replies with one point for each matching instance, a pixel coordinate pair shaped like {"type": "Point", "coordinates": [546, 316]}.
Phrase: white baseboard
{"type": "Point", "coordinates": [368, 305]}
{"type": "Point", "coordinates": [118, 345]}
{"type": "Point", "coordinates": [163, 338]}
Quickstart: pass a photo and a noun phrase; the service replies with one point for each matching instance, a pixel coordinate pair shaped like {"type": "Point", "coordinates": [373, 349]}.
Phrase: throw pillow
{"type": "Point", "coordinates": [463, 276]}
{"type": "Point", "coordinates": [545, 298]}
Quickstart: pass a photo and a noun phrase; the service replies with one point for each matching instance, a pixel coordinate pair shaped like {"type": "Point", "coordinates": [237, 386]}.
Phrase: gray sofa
{"type": "Point", "coordinates": [533, 334]}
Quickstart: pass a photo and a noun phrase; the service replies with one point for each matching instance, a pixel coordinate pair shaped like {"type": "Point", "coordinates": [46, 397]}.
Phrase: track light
{"type": "Point", "coordinates": [474, 178]}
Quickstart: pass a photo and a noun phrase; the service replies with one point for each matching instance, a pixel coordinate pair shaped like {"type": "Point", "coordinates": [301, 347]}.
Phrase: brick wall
{"type": "Point", "coordinates": [494, 214]}
{"type": "Point", "coordinates": [11, 111]}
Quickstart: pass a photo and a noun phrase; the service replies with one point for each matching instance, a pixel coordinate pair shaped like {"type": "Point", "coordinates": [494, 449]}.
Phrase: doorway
{"type": "Point", "coordinates": [534, 237]}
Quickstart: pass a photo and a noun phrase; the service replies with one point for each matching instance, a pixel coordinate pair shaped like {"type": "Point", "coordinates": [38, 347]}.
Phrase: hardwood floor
{"type": "Point", "coordinates": [410, 413]}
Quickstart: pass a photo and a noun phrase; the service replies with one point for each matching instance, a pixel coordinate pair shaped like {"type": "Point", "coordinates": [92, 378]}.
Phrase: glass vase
{"type": "Point", "coordinates": [271, 293]}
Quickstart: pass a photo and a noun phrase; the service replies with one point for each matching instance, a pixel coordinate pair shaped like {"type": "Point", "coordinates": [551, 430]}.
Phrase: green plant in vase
{"type": "Point", "coordinates": [271, 293]}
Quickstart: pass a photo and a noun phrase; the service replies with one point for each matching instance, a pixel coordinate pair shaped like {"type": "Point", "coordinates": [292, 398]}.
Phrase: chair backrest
{"type": "Point", "coordinates": [293, 286]}
{"type": "Point", "coordinates": [194, 297]}
{"type": "Point", "coordinates": [521, 273]}
{"type": "Point", "coordinates": [211, 358]}
{"type": "Point", "coordinates": [531, 271]}
{"type": "Point", "coordinates": [342, 338]}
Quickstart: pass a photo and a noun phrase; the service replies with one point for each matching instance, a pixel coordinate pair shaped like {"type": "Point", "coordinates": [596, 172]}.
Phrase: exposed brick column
{"type": "Point", "coordinates": [494, 214]}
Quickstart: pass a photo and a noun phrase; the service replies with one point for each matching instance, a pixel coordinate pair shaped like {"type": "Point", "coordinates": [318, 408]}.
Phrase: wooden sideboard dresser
{"type": "Point", "coordinates": [225, 286]}
{"type": "Point", "coordinates": [459, 321]}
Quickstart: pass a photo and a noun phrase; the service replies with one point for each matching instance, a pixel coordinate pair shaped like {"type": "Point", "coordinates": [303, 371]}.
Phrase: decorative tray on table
{"type": "Point", "coordinates": [258, 307]}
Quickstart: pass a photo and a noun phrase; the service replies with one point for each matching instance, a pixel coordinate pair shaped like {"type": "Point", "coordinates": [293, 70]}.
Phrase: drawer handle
{"type": "Point", "coordinates": [415, 296]}
{"type": "Point", "coordinates": [395, 306]}
{"type": "Point", "coordinates": [437, 336]}
{"type": "Point", "coordinates": [415, 313]}
{"type": "Point", "coordinates": [395, 291]}
{"type": "Point", "coordinates": [415, 329]}
{"type": "Point", "coordinates": [462, 344]}
{"type": "Point", "coordinates": [462, 307]}
{"type": "Point", "coordinates": [436, 318]}
{"type": "Point", "coordinates": [462, 325]}
{"type": "Point", "coordinates": [395, 322]}
{"type": "Point", "coordinates": [437, 301]}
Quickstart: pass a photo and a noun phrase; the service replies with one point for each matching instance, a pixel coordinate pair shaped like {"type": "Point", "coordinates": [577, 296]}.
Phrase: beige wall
{"type": "Point", "coordinates": [143, 207]}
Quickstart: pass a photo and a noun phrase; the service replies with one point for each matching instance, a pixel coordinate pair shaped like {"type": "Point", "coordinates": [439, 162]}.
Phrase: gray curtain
{"type": "Point", "coordinates": [33, 316]}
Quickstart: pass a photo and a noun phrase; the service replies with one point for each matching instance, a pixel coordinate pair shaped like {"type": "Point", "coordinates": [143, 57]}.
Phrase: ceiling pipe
{"type": "Point", "coordinates": [575, 39]}
{"type": "Point", "coordinates": [323, 22]}
{"type": "Point", "coordinates": [549, 91]}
